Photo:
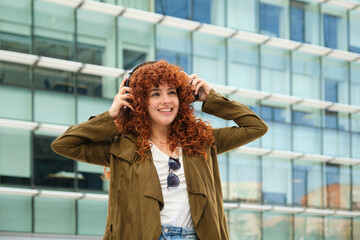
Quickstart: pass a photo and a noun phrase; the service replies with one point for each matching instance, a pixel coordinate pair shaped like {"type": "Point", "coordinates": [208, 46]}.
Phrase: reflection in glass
{"type": "Point", "coordinates": [53, 80]}
{"type": "Point", "coordinates": [14, 42]}
{"type": "Point", "coordinates": [244, 225]}
{"type": "Point", "coordinates": [242, 15]}
{"type": "Point", "coordinates": [274, 18]}
{"type": "Point", "coordinates": [354, 30]}
{"type": "Point", "coordinates": [51, 169]}
{"type": "Point", "coordinates": [307, 184]}
{"type": "Point", "coordinates": [14, 74]}
{"type": "Point", "coordinates": [209, 58]}
{"type": "Point", "coordinates": [355, 84]}
{"type": "Point", "coordinates": [244, 177]}
{"type": "Point", "coordinates": [308, 227]}
{"type": "Point", "coordinates": [306, 81]}
{"type": "Point", "coordinates": [276, 181]}
{"type": "Point", "coordinates": [15, 29]}
{"type": "Point", "coordinates": [243, 64]}
{"type": "Point", "coordinates": [337, 228]}
{"type": "Point", "coordinates": [355, 191]}
{"type": "Point", "coordinates": [334, 27]}
{"type": "Point", "coordinates": [275, 74]}
{"type": "Point", "coordinates": [96, 38]}
{"type": "Point", "coordinates": [277, 226]}
{"type": "Point", "coordinates": [337, 186]}
{"type": "Point", "coordinates": [174, 46]}
{"type": "Point", "coordinates": [135, 42]}
{"type": "Point", "coordinates": [175, 8]}
{"type": "Point", "coordinates": [54, 30]}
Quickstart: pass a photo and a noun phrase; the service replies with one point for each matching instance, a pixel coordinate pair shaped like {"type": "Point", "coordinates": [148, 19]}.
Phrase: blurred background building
{"type": "Point", "coordinates": [295, 63]}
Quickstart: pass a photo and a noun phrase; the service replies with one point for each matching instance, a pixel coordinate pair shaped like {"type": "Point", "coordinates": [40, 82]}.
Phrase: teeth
{"type": "Point", "coordinates": [165, 110]}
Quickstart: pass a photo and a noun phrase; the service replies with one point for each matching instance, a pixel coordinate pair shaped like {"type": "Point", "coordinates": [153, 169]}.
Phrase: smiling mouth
{"type": "Point", "coordinates": [165, 110]}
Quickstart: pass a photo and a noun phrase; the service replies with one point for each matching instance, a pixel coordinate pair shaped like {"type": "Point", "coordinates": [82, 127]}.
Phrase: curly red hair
{"type": "Point", "coordinates": [186, 130]}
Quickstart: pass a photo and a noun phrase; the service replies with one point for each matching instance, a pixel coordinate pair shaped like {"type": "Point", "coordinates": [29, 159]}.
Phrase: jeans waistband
{"type": "Point", "coordinates": [167, 230]}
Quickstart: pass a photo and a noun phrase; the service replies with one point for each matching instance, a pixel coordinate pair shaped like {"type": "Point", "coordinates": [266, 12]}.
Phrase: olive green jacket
{"type": "Point", "coordinates": [135, 195]}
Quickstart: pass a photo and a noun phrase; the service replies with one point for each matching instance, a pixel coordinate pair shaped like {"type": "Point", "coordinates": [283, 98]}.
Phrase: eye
{"type": "Point", "coordinates": [173, 92]}
{"type": "Point", "coordinates": [155, 94]}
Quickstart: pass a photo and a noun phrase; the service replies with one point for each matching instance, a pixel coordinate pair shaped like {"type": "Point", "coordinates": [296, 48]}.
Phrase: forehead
{"type": "Point", "coordinates": [163, 86]}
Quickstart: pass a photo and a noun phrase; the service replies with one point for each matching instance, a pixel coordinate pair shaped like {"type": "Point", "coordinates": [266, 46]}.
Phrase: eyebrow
{"type": "Point", "coordinates": [158, 89]}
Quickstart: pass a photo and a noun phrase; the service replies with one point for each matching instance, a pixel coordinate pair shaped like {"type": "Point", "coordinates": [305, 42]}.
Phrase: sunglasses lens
{"type": "Point", "coordinates": [174, 163]}
{"type": "Point", "coordinates": [173, 180]}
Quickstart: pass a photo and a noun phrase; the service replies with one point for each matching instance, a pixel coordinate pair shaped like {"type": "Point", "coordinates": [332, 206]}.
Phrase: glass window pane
{"type": "Point", "coordinates": [244, 225]}
{"type": "Point", "coordinates": [63, 113]}
{"type": "Point", "coordinates": [337, 228]}
{"type": "Point", "coordinates": [355, 141]}
{"type": "Point", "coordinates": [211, 12]}
{"type": "Point", "coordinates": [356, 228]}
{"type": "Point", "coordinates": [335, 26]}
{"type": "Point", "coordinates": [336, 143]}
{"type": "Point", "coordinates": [306, 79]}
{"type": "Point", "coordinates": [14, 74]}
{"type": "Point", "coordinates": [243, 65]}
{"type": "Point", "coordinates": [174, 46]}
{"type": "Point", "coordinates": [356, 188]}
{"type": "Point", "coordinates": [275, 65]}
{"type": "Point", "coordinates": [89, 106]}
{"type": "Point", "coordinates": [96, 38]}
{"type": "Point", "coordinates": [244, 178]}
{"type": "Point", "coordinates": [355, 84]}
{"type": "Point", "coordinates": [277, 226]}
{"type": "Point", "coordinates": [209, 58]}
{"type": "Point", "coordinates": [50, 219]}
{"type": "Point", "coordinates": [15, 213]}
{"type": "Point", "coordinates": [307, 139]}
{"type": "Point", "coordinates": [335, 80]}
{"type": "Point", "coordinates": [276, 181]}
{"type": "Point", "coordinates": [354, 22]}
{"type": "Point", "coordinates": [274, 18]}
{"type": "Point", "coordinates": [337, 186]}
{"type": "Point", "coordinates": [15, 98]}
{"type": "Point", "coordinates": [145, 5]}
{"type": "Point", "coordinates": [51, 169]}
{"type": "Point", "coordinates": [96, 86]}
{"type": "Point", "coordinates": [307, 184]}
{"type": "Point", "coordinates": [15, 30]}
{"type": "Point", "coordinates": [54, 30]}
{"type": "Point", "coordinates": [137, 45]}
{"type": "Point", "coordinates": [92, 217]}
{"type": "Point", "coordinates": [53, 80]}
{"type": "Point", "coordinates": [175, 8]}
{"type": "Point", "coordinates": [308, 227]}
{"type": "Point", "coordinates": [241, 14]}
{"type": "Point", "coordinates": [15, 165]}
{"type": "Point", "coordinates": [277, 136]}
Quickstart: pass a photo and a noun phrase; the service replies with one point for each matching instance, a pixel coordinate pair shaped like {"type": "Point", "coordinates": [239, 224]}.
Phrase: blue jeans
{"type": "Point", "coordinates": [177, 233]}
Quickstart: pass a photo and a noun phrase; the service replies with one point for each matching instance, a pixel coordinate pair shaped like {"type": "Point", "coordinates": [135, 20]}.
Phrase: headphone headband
{"type": "Point", "coordinates": [133, 70]}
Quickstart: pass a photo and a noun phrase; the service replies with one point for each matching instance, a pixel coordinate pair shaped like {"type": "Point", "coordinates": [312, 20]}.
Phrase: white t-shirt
{"type": "Point", "coordinates": [176, 210]}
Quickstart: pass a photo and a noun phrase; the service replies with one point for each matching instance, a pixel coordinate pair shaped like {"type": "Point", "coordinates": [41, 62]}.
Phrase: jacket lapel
{"type": "Point", "coordinates": [196, 186]}
{"type": "Point", "coordinates": [126, 150]}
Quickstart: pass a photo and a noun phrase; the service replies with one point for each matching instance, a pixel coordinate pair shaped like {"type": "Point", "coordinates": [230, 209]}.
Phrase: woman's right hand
{"type": "Point", "coordinates": [120, 103]}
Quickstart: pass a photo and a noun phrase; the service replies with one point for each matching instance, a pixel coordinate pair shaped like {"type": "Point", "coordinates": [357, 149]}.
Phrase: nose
{"type": "Point", "coordinates": [165, 99]}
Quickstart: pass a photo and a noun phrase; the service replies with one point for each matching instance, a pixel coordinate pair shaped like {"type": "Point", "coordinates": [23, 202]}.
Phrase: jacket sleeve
{"type": "Point", "coordinates": [88, 141]}
{"type": "Point", "coordinates": [250, 126]}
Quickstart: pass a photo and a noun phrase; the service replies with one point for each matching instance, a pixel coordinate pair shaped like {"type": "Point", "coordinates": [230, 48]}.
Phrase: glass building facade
{"type": "Point", "coordinates": [296, 63]}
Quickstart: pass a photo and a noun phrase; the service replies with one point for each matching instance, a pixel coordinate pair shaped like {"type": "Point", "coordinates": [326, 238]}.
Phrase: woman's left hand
{"type": "Point", "coordinates": [200, 86]}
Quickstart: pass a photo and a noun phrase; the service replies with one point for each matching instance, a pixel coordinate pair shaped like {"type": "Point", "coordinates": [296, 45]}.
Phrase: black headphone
{"type": "Point", "coordinates": [133, 70]}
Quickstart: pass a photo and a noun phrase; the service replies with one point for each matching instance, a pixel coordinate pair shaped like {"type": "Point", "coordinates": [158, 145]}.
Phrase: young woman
{"type": "Point", "coordinates": [164, 174]}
